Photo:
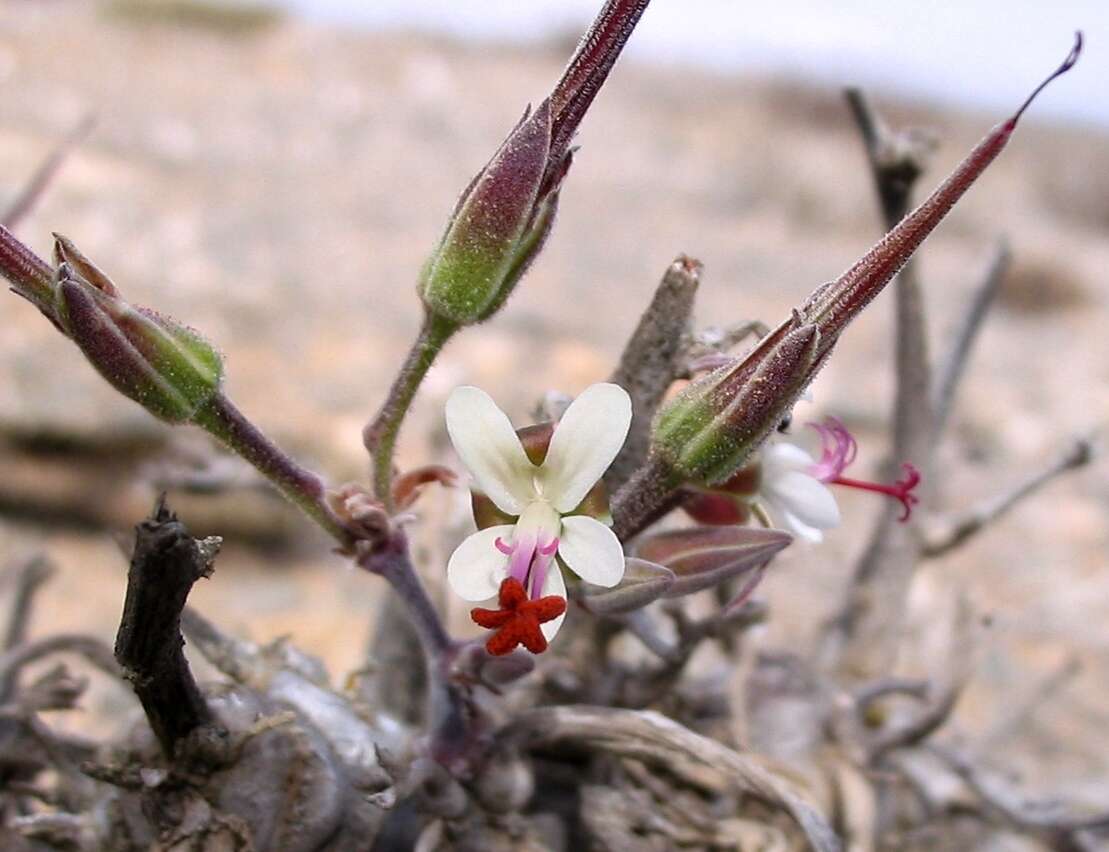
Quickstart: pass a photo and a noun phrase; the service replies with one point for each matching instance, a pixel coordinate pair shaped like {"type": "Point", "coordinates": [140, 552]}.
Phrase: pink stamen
{"type": "Point", "coordinates": [838, 449]}
{"type": "Point", "coordinates": [540, 565]}
{"type": "Point", "coordinates": [506, 549]}
{"type": "Point", "coordinates": [523, 552]}
{"type": "Point", "coordinates": [900, 490]}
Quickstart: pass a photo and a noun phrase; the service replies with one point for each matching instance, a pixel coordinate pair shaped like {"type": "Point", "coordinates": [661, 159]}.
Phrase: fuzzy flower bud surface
{"type": "Point", "coordinates": [164, 366]}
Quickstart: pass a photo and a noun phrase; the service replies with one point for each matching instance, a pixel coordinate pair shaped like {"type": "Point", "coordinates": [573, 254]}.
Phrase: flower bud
{"type": "Point", "coordinates": [505, 215]}
{"type": "Point", "coordinates": [166, 367]}
{"type": "Point", "coordinates": [707, 432]}
{"type": "Point", "coordinates": [498, 226]}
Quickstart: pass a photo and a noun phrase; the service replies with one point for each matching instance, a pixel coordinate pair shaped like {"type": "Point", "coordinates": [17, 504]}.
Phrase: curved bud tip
{"type": "Point", "coordinates": [1066, 66]}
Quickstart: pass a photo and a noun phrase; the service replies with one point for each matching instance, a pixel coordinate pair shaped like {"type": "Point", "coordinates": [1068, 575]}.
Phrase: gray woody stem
{"type": "Point", "coordinates": [652, 359]}
{"type": "Point", "coordinates": [166, 563]}
{"type": "Point", "coordinates": [29, 577]}
{"type": "Point", "coordinates": [964, 526]}
{"type": "Point", "coordinates": [650, 737]}
{"type": "Point", "coordinates": [863, 639]}
{"type": "Point", "coordinates": [954, 364]}
{"type": "Point", "coordinates": [39, 182]}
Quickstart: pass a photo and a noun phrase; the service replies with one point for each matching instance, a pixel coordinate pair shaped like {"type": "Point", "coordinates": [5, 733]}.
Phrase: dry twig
{"type": "Point", "coordinates": [652, 360]}
{"type": "Point", "coordinates": [698, 761]}
{"type": "Point", "coordinates": [166, 563]}
{"type": "Point", "coordinates": [40, 180]}
{"type": "Point", "coordinates": [954, 364]}
{"type": "Point", "coordinates": [972, 522]}
{"type": "Point", "coordinates": [28, 577]}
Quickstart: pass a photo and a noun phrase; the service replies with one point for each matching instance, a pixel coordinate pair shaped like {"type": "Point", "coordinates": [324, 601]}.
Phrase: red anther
{"type": "Point", "coordinates": [517, 620]}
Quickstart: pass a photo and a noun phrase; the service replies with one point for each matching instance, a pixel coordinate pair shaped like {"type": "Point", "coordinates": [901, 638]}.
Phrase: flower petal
{"type": "Point", "coordinates": [799, 528]}
{"type": "Point", "coordinates": [781, 456]}
{"type": "Point", "coordinates": [585, 442]}
{"type": "Point", "coordinates": [476, 567]}
{"type": "Point", "coordinates": [591, 550]}
{"type": "Point", "coordinates": [555, 584]}
{"type": "Point", "coordinates": [804, 497]}
{"type": "Point", "coordinates": [488, 446]}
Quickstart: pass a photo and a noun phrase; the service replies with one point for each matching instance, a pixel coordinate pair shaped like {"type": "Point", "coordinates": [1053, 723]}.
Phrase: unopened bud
{"type": "Point", "coordinates": [505, 215]}
{"type": "Point", "coordinates": [166, 367]}
{"type": "Point", "coordinates": [498, 227]}
{"type": "Point", "coordinates": [708, 432]}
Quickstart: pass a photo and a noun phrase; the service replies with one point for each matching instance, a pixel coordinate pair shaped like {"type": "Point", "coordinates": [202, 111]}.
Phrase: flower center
{"type": "Point", "coordinates": [534, 544]}
{"type": "Point", "coordinates": [517, 620]}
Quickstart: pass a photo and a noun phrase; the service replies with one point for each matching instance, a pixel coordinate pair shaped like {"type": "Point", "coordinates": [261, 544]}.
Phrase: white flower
{"type": "Point", "coordinates": [541, 497]}
{"type": "Point", "coordinates": [789, 489]}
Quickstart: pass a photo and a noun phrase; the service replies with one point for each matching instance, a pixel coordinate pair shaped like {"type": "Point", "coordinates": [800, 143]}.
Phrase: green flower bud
{"type": "Point", "coordinates": [166, 367]}
{"type": "Point", "coordinates": [498, 226]}
{"type": "Point", "coordinates": [708, 432]}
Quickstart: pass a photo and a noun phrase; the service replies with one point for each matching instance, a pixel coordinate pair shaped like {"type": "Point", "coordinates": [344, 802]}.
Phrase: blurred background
{"type": "Point", "coordinates": [275, 175]}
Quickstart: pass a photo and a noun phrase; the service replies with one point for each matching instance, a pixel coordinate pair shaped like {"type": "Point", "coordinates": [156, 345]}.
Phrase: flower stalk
{"type": "Point", "coordinates": [305, 489]}
{"type": "Point", "coordinates": [500, 224]}
{"type": "Point", "coordinates": [29, 275]}
{"type": "Point", "coordinates": [380, 435]}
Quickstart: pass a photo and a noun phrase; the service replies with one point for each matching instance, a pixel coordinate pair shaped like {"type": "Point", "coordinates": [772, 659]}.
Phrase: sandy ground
{"type": "Point", "coordinates": [280, 190]}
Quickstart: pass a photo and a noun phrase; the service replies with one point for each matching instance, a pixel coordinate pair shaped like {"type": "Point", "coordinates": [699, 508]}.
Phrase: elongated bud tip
{"type": "Point", "coordinates": [1066, 66]}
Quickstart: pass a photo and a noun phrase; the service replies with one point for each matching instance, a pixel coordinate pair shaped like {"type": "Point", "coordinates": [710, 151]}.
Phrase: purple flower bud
{"type": "Point", "coordinates": [166, 367]}
{"type": "Point", "coordinates": [499, 225]}
{"type": "Point", "coordinates": [504, 217]}
{"type": "Point", "coordinates": [707, 432]}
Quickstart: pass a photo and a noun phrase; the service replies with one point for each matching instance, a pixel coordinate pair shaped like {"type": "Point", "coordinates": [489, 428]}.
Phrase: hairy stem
{"type": "Point", "coordinates": [647, 496]}
{"type": "Point", "coordinates": [30, 276]}
{"type": "Point", "coordinates": [221, 418]}
{"type": "Point", "coordinates": [452, 741]}
{"type": "Point", "coordinates": [380, 435]}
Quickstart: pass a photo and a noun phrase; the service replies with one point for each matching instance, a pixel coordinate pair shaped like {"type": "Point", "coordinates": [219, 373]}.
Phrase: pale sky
{"type": "Point", "coordinates": [986, 53]}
